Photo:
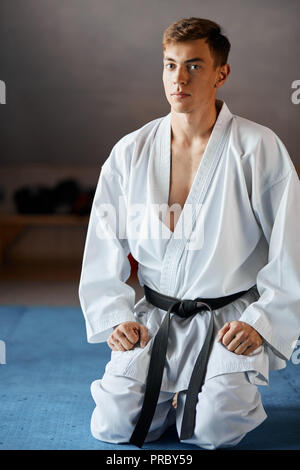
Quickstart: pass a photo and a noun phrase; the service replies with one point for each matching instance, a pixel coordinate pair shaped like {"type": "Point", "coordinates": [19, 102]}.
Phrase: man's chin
{"type": "Point", "coordinates": [181, 109]}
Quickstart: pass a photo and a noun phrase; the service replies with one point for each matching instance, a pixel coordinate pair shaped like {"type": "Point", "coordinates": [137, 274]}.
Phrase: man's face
{"type": "Point", "coordinates": [189, 69]}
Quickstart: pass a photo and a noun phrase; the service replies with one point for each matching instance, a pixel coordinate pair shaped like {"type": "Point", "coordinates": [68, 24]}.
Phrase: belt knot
{"type": "Point", "coordinates": [186, 308]}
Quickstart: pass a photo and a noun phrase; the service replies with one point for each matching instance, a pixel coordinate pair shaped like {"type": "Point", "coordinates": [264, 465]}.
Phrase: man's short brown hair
{"type": "Point", "coordinates": [189, 29]}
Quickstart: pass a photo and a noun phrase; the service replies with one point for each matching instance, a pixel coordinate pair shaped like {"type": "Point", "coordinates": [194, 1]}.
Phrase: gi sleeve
{"type": "Point", "coordinates": [106, 300]}
{"type": "Point", "coordinates": [276, 313]}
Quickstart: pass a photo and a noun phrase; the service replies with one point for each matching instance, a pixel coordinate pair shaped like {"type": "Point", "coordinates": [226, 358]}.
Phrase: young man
{"type": "Point", "coordinates": [208, 203]}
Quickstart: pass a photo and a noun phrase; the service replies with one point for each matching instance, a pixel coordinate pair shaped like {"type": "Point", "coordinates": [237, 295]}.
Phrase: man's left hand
{"type": "Point", "coordinates": [239, 337]}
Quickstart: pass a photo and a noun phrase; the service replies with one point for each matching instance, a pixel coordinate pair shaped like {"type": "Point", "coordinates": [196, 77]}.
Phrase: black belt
{"type": "Point", "coordinates": [185, 309]}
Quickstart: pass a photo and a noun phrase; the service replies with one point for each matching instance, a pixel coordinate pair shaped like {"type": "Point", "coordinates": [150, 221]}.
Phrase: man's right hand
{"type": "Point", "coordinates": [126, 335]}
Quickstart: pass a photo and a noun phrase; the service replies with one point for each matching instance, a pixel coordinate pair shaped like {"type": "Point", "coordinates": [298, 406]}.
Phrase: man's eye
{"type": "Point", "coordinates": [196, 66]}
{"type": "Point", "coordinates": [169, 66]}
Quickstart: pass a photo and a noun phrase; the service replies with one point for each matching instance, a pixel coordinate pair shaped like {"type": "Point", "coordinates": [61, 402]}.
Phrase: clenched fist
{"type": "Point", "coordinates": [239, 337]}
{"type": "Point", "coordinates": [126, 335]}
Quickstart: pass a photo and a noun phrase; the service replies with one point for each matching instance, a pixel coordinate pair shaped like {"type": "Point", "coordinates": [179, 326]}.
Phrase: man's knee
{"type": "Point", "coordinates": [227, 409]}
{"type": "Point", "coordinates": [110, 428]}
{"type": "Point", "coordinates": [113, 417]}
{"type": "Point", "coordinates": [215, 429]}
{"type": "Point", "coordinates": [118, 405]}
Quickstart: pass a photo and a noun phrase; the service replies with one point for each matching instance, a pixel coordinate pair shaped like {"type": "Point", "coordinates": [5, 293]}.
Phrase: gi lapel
{"type": "Point", "coordinates": [203, 177]}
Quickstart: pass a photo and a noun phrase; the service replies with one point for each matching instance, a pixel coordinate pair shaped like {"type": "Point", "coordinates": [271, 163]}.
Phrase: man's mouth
{"type": "Point", "coordinates": [180, 96]}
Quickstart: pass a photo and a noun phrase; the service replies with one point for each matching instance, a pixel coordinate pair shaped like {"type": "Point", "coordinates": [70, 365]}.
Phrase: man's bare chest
{"type": "Point", "coordinates": [184, 167]}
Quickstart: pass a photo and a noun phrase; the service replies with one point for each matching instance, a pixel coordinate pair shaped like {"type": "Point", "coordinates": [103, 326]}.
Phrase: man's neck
{"type": "Point", "coordinates": [192, 129]}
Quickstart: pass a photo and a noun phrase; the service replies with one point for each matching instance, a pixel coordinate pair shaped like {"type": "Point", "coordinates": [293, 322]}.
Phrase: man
{"type": "Point", "coordinates": [207, 203]}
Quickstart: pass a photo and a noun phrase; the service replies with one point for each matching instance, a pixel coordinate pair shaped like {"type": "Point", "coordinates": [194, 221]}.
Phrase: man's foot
{"type": "Point", "coordinates": [174, 402]}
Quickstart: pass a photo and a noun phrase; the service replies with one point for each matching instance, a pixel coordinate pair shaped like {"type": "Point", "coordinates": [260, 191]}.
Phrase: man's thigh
{"type": "Point", "coordinates": [228, 407]}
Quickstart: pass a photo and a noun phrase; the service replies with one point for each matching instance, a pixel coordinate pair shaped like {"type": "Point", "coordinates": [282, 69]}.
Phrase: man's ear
{"type": "Point", "coordinates": [222, 75]}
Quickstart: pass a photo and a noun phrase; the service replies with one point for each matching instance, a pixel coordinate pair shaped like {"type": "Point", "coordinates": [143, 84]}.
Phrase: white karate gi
{"type": "Point", "coordinates": [245, 207]}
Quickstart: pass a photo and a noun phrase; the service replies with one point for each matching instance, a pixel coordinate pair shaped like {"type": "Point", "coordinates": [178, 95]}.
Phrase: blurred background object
{"type": "Point", "coordinates": [67, 197]}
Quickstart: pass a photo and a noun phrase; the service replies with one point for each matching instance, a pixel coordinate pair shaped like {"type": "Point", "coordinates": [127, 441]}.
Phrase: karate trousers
{"type": "Point", "coordinates": [229, 406]}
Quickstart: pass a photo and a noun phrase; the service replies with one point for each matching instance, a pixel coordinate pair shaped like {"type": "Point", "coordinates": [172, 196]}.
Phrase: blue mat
{"type": "Point", "coordinates": [45, 400]}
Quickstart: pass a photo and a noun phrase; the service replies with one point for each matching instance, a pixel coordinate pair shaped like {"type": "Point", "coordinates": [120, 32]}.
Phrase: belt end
{"type": "Point", "coordinates": [136, 443]}
{"type": "Point", "coordinates": [185, 435]}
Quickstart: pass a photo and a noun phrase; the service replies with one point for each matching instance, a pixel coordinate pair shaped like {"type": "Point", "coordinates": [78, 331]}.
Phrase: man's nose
{"type": "Point", "coordinates": [181, 76]}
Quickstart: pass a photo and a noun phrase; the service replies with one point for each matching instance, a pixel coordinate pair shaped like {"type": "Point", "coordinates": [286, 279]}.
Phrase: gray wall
{"type": "Point", "coordinates": [80, 74]}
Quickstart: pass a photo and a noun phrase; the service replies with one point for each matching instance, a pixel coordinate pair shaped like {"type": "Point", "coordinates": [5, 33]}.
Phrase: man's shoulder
{"type": "Point", "coordinates": [263, 149]}
{"type": "Point", "coordinates": [129, 147]}
{"type": "Point", "coordinates": [258, 139]}
{"type": "Point", "coordinates": [252, 129]}
{"type": "Point", "coordinates": [141, 133]}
